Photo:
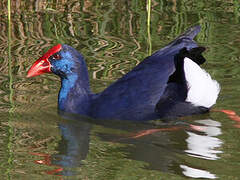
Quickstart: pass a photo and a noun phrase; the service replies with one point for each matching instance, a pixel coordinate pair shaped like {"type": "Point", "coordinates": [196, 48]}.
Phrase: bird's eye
{"type": "Point", "coordinates": [56, 56]}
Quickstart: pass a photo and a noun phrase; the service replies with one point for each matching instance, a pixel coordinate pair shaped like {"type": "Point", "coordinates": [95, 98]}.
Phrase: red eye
{"type": "Point", "coordinates": [56, 56]}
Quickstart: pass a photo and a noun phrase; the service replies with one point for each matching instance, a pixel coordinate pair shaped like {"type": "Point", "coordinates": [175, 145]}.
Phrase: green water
{"type": "Point", "coordinates": [113, 36]}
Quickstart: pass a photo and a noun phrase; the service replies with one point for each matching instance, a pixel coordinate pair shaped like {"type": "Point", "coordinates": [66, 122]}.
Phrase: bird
{"type": "Point", "coordinates": [167, 84]}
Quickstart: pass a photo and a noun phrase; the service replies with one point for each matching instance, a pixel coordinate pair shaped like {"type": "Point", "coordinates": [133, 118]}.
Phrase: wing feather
{"type": "Point", "coordinates": [139, 90]}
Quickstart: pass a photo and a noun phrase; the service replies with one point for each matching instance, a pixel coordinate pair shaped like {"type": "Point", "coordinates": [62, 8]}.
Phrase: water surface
{"type": "Point", "coordinates": [37, 143]}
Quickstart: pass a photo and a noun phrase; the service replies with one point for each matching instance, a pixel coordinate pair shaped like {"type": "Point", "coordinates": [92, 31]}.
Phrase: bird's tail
{"type": "Point", "coordinates": [191, 32]}
{"type": "Point", "coordinates": [183, 41]}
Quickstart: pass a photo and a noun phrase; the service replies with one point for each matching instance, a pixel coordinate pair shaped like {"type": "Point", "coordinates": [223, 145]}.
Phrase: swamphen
{"type": "Point", "coordinates": [167, 84]}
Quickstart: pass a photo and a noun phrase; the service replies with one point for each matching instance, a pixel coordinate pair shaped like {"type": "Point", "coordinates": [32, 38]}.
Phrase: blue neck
{"type": "Point", "coordinates": [74, 95]}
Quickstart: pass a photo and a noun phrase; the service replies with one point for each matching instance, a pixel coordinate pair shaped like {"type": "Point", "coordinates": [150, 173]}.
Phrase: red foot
{"type": "Point", "coordinates": [235, 118]}
{"type": "Point", "coordinates": [225, 111]}
{"type": "Point", "coordinates": [197, 128]}
{"type": "Point", "coordinates": [47, 161]}
{"type": "Point", "coordinates": [232, 115]}
{"type": "Point", "coordinates": [151, 131]}
{"type": "Point", "coordinates": [237, 125]}
{"type": "Point", "coordinates": [53, 172]}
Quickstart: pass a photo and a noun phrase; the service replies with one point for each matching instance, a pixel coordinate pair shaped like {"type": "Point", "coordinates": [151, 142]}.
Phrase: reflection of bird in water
{"type": "Point", "coordinates": [159, 149]}
{"type": "Point", "coordinates": [197, 173]}
{"type": "Point", "coordinates": [74, 144]}
{"type": "Point", "coordinates": [205, 146]}
{"type": "Point", "coordinates": [72, 148]}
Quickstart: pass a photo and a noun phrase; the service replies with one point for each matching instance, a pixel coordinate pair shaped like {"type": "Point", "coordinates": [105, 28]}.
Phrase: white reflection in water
{"type": "Point", "coordinates": [204, 146]}
{"type": "Point", "coordinates": [196, 173]}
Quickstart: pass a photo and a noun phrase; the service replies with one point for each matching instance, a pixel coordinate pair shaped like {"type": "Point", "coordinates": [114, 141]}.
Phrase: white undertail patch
{"type": "Point", "coordinates": [202, 89]}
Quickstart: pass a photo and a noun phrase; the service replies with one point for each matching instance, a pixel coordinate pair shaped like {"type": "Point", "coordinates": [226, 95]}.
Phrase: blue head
{"type": "Point", "coordinates": [62, 60]}
{"type": "Point", "coordinates": [67, 62]}
{"type": "Point", "coordinates": [70, 66]}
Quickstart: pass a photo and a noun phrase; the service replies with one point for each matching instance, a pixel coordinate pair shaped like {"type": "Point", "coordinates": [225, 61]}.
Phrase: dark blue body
{"type": "Point", "coordinates": [156, 88]}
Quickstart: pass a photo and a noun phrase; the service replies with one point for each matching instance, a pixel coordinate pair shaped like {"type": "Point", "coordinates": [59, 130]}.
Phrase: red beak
{"type": "Point", "coordinates": [39, 67]}
{"type": "Point", "coordinates": [42, 65]}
